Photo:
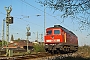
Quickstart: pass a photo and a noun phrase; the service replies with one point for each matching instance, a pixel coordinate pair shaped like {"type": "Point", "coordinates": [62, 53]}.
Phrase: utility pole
{"type": "Point", "coordinates": [3, 32]}
{"type": "Point", "coordinates": [9, 20]}
{"type": "Point", "coordinates": [37, 35]}
{"type": "Point", "coordinates": [44, 19]}
{"type": "Point", "coordinates": [28, 34]}
{"type": "Point", "coordinates": [41, 37]}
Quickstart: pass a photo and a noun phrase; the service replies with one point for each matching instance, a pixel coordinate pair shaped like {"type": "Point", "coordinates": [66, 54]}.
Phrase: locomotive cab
{"type": "Point", "coordinates": [53, 36]}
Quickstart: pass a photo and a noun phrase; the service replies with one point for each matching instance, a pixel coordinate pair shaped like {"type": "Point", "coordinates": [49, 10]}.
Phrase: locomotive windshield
{"type": "Point", "coordinates": [56, 31]}
{"type": "Point", "coordinates": [49, 32]}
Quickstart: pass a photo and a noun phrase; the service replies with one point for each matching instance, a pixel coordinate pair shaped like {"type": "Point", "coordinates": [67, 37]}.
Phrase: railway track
{"type": "Point", "coordinates": [40, 56]}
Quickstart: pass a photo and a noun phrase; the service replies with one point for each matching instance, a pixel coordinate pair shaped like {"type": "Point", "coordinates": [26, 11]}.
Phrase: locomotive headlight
{"type": "Point", "coordinates": [48, 40]}
{"type": "Point", "coordinates": [58, 40]}
{"type": "Point", "coordinates": [46, 44]}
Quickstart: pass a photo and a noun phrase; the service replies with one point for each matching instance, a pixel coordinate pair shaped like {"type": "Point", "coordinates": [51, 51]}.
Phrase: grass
{"type": "Point", "coordinates": [85, 50]}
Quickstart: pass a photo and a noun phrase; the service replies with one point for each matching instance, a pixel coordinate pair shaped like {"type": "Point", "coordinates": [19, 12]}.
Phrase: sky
{"type": "Point", "coordinates": [25, 13]}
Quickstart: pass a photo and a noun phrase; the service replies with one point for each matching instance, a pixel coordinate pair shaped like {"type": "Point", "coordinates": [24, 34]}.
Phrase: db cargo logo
{"type": "Point", "coordinates": [52, 37]}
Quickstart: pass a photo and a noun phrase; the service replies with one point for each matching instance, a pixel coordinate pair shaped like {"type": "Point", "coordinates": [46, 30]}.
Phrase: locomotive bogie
{"type": "Point", "coordinates": [61, 48]}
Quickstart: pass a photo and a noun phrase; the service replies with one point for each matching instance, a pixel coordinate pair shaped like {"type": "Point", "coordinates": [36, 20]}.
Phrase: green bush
{"type": "Point", "coordinates": [39, 48]}
{"type": "Point", "coordinates": [4, 43]}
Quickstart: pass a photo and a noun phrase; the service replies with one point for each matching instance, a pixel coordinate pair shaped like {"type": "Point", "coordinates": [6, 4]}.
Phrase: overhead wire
{"type": "Point", "coordinates": [3, 13]}
{"type": "Point", "coordinates": [25, 20]}
{"type": "Point", "coordinates": [29, 22]}
{"type": "Point", "coordinates": [40, 10]}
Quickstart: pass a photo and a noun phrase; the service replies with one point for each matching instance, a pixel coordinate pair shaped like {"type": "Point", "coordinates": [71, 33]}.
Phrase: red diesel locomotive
{"type": "Point", "coordinates": [60, 40]}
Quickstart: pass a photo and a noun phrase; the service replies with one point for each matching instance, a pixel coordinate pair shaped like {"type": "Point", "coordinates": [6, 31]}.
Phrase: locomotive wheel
{"type": "Point", "coordinates": [52, 52]}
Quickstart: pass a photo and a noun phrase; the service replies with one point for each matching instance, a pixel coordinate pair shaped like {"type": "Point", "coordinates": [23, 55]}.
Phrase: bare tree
{"type": "Point", "coordinates": [78, 9]}
{"type": "Point", "coordinates": [68, 7]}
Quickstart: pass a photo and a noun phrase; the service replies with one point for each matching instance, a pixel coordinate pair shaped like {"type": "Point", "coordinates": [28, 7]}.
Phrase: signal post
{"type": "Point", "coordinates": [28, 34]}
{"type": "Point", "coordinates": [9, 20]}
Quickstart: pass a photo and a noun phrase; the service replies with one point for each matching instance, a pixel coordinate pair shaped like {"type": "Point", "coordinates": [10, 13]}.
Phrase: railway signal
{"type": "Point", "coordinates": [28, 34]}
{"type": "Point", "coordinates": [9, 20]}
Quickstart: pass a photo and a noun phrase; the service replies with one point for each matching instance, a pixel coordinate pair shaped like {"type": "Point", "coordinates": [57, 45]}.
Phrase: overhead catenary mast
{"type": "Point", "coordinates": [3, 32]}
{"type": "Point", "coordinates": [44, 19]}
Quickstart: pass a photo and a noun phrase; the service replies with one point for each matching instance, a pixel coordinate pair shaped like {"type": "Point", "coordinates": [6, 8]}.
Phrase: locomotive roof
{"type": "Point", "coordinates": [66, 30]}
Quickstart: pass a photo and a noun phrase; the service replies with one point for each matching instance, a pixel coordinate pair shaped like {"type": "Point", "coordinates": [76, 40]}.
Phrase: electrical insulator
{"type": "Point", "coordinates": [9, 20]}
{"type": "Point", "coordinates": [28, 33]}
